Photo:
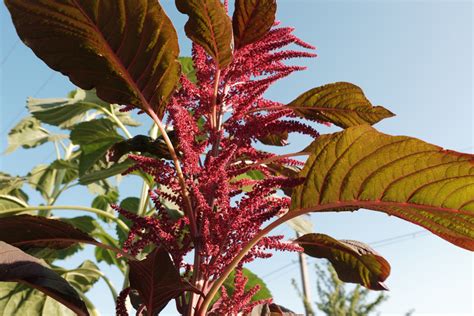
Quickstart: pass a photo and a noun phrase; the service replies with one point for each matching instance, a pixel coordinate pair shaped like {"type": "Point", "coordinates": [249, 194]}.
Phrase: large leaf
{"type": "Point", "coordinates": [340, 103]}
{"type": "Point", "coordinates": [26, 231]}
{"type": "Point", "coordinates": [210, 27]}
{"type": "Point", "coordinates": [19, 299]}
{"type": "Point", "coordinates": [28, 133]}
{"type": "Point", "coordinates": [252, 19]}
{"type": "Point", "coordinates": [157, 280]}
{"type": "Point", "coordinates": [129, 58]}
{"type": "Point", "coordinates": [401, 176]}
{"type": "Point", "coordinates": [353, 261]}
{"type": "Point", "coordinates": [17, 266]}
{"type": "Point", "coordinates": [95, 138]}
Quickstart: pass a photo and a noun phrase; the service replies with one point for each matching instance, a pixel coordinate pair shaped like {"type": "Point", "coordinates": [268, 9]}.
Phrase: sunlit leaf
{"type": "Point", "coordinates": [28, 133]}
{"type": "Point", "coordinates": [62, 112]}
{"type": "Point", "coordinates": [397, 175]}
{"type": "Point", "coordinates": [340, 103]}
{"type": "Point", "coordinates": [9, 183]}
{"type": "Point", "coordinates": [275, 139]}
{"type": "Point", "coordinates": [353, 261]}
{"type": "Point", "coordinates": [252, 281]}
{"type": "Point", "coordinates": [8, 202]}
{"type": "Point", "coordinates": [17, 266]}
{"type": "Point", "coordinates": [252, 19]}
{"type": "Point", "coordinates": [129, 58]}
{"type": "Point", "coordinates": [210, 27]}
{"type": "Point", "coordinates": [19, 299]}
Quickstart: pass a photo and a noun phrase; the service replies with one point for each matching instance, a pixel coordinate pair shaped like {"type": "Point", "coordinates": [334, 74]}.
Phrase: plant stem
{"type": "Point", "coordinates": [218, 283]}
{"type": "Point", "coordinates": [187, 199]}
{"type": "Point", "coordinates": [67, 207]}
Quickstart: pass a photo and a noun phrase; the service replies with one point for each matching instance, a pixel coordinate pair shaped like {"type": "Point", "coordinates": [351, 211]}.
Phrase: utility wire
{"type": "Point", "coordinates": [378, 244]}
{"type": "Point", "coordinates": [5, 59]}
{"type": "Point", "coordinates": [19, 113]}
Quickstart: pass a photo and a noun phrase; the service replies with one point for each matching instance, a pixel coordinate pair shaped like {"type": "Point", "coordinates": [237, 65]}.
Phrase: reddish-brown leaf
{"type": "Point", "coordinates": [398, 175]}
{"type": "Point", "coordinates": [127, 50]}
{"type": "Point", "coordinates": [210, 27]}
{"type": "Point", "coordinates": [252, 19]}
{"type": "Point", "coordinates": [17, 266]}
{"type": "Point", "coordinates": [354, 262]}
{"type": "Point", "coordinates": [27, 231]}
{"type": "Point", "coordinates": [157, 280]}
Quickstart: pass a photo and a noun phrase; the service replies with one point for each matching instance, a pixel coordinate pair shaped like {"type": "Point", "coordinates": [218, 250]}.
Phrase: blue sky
{"type": "Point", "coordinates": [413, 57]}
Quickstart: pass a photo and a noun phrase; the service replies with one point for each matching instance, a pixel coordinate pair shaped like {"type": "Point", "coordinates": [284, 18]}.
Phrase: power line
{"type": "Point", "coordinates": [19, 113]}
{"type": "Point", "coordinates": [9, 53]}
{"type": "Point", "coordinates": [378, 244]}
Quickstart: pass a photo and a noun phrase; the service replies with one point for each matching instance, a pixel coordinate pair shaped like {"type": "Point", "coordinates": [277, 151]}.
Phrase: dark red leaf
{"type": "Point", "coordinates": [17, 266]}
{"type": "Point", "coordinates": [26, 231]}
{"type": "Point", "coordinates": [157, 280]}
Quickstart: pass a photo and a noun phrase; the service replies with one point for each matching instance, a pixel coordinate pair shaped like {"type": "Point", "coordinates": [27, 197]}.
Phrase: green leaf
{"type": "Point", "coordinates": [81, 278]}
{"type": "Point", "coordinates": [70, 168]}
{"type": "Point", "coordinates": [187, 68]}
{"type": "Point", "coordinates": [252, 281]}
{"type": "Point", "coordinates": [28, 133]}
{"type": "Point", "coordinates": [61, 112]}
{"type": "Point", "coordinates": [9, 183]}
{"type": "Point", "coordinates": [95, 138]}
{"type": "Point", "coordinates": [252, 19]}
{"type": "Point", "coordinates": [130, 204]}
{"type": "Point", "coordinates": [130, 60]}
{"type": "Point", "coordinates": [19, 299]}
{"type": "Point", "coordinates": [8, 202]}
{"type": "Point", "coordinates": [354, 262]}
{"type": "Point", "coordinates": [210, 27]}
{"type": "Point", "coordinates": [97, 175]}
{"type": "Point", "coordinates": [41, 178]}
{"type": "Point", "coordinates": [398, 175]}
{"type": "Point", "coordinates": [249, 175]}
{"type": "Point", "coordinates": [102, 202]}
{"type": "Point", "coordinates": [20, 267]}
{"type": "Point", "coordinates": [340, 103]}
